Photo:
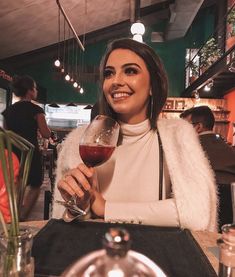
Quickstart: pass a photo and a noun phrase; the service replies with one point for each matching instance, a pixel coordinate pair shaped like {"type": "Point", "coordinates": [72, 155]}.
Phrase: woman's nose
{"type": "Point", "coordinates": [118, 79]}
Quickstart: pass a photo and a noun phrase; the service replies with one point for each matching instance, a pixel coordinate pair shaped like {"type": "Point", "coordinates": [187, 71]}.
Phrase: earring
{"type": "Point", "coordinates": [151, 106]}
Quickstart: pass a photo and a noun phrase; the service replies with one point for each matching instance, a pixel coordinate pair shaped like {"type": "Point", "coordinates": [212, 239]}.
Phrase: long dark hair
{"type": "Point", "coordinates": [158, 77]}
{"type": "Point", "coordinates": [21, 85]}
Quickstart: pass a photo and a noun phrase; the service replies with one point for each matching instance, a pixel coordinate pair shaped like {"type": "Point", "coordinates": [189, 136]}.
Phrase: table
{"type": "Point", "coordinates": [204, 238]}
{"type": "Point", "coordinates": [208, 239]}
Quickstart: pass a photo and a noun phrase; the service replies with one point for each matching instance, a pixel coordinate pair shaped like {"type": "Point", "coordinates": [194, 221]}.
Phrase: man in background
{"type": "Point", "coordinates": [219, 153]}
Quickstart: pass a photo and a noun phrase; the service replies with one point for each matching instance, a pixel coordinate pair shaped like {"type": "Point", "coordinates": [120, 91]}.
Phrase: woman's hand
{"type": "Point", "coordinates": [82, 182]}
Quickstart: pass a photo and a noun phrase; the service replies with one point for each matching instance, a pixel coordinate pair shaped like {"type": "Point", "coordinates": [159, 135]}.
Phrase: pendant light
{"type": "Point", "coordinates": [57, 61]}
{"type": "Point", "coordinates": [137, 28]}
{"type": "Point", "coordinates": [69, 63]}
{"type": "Point", "coordinates": [67, 76]}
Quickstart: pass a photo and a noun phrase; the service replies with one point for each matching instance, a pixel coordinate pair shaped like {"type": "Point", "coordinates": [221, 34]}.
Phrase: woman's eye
{"type": "Point", "coordinates": [131, 70]}
{"type": "Point", "coordinates": [108, 73]}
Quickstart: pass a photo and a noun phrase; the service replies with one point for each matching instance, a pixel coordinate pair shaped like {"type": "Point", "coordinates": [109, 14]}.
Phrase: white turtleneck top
{"type": "Point", "coordinates": [129, 181]}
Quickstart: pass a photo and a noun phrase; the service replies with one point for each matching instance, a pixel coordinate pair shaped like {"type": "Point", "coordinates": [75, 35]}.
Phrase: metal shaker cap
{"type": "Point", "coordinates": [117, 242]}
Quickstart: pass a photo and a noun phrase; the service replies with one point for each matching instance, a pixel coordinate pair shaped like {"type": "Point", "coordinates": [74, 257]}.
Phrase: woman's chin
{"type": "Point", "coordinates": [121, 107]}
{"type": "Point", "coordinates": [121, 111]}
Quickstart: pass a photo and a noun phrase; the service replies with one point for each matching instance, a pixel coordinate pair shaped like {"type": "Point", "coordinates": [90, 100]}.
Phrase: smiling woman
{"type": "Point", "coordinates": [156, 175]}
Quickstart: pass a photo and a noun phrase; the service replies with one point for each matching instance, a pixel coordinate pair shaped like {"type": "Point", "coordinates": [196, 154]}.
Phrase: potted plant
{"type": "Point", "coordinates": [209, 54]}
{"type": "Point", "coordinates": [193, 71]}
{"type": "Point", "coordinates": [230, 28]}
{"type": "Point", "coordinates": [15, 242]}
{"type": "Point", "coordinates": [231, 22]}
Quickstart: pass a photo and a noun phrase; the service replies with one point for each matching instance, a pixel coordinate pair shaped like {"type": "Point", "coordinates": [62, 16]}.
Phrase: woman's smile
{"type": "Point", "coordinates": [120, 95]}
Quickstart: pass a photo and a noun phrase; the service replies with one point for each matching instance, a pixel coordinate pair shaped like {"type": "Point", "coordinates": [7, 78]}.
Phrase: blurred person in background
{"type": "Point", "coordinates": [220, 154]}
{"type": "Point", "coordinates": [25, 118]}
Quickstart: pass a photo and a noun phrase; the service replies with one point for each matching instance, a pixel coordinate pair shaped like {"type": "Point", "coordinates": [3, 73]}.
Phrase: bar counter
{"type": "Point", "coordinates": [204, 238]}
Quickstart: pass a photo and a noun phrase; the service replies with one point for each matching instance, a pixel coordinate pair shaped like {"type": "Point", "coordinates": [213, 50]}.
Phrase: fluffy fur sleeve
{"type": "Point", "coordinates": [192, 178]}
{"type": "Point", "coordinates": [68, 158]}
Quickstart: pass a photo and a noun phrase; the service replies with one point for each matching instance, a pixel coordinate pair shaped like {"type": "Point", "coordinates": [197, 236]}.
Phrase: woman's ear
{"type": "Point", "coordinates": [150, 92]}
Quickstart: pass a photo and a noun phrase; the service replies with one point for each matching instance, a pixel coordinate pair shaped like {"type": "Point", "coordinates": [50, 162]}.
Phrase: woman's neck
{"type": "Point", "coordinates": [132, 120]}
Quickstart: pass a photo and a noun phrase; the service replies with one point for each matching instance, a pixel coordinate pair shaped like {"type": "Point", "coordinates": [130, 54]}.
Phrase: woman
{"type": "Point", "coordinates": [127, 187]}
{"type": "Point", "coordinates": [26, 118]}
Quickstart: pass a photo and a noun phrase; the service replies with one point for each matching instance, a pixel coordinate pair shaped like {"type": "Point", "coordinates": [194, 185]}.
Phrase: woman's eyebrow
{"type": "Point", "coordinates": [131, 64]}
{"type": "Point", "coordinates": [124, 65]}
{"type": "Point", "coordinates": [108, 67]}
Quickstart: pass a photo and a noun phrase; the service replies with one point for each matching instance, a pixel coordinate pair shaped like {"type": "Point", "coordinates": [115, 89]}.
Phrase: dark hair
{"type": "Point", "coordinates": [94, 111]}
{"type": "Point", "coordinates": [21, 85]}
{"type": "Point", "coordinates": [201, 114]}
{"type": "Point", "coordinates": [158, 77]}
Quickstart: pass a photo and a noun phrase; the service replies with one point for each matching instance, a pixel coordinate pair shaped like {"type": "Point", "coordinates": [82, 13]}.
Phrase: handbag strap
{"type": "Point", "coordinates": [160, 164]}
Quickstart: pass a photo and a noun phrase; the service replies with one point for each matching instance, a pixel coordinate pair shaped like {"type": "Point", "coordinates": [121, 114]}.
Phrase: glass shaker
{"type": "Point", "coordinates": [115, 260]}
{"type": "Point", "coordinates": [227, 251]}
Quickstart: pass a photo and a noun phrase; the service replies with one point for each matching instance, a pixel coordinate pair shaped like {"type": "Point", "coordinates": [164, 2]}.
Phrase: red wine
{"type": "Point", "coordinates": [93, 155]}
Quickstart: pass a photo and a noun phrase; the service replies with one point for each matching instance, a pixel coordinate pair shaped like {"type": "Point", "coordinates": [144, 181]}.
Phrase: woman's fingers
{"type": "Point", "coordinates": [75, 182]}
{"type": "Point", "coordinates": [65, 190]}
{"type": "Point", "coordinates": [71, 186]}
{"type": "Point", "coordinates": [81, 177]}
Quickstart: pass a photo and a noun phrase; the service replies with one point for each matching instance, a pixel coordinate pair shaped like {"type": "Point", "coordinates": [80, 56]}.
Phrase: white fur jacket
{"type": "Point", "coordinates": [192, 178]}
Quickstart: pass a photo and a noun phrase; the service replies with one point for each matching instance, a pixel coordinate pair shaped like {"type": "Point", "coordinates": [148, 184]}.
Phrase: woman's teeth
{"type": "Point", "coordinates": [120, 95]}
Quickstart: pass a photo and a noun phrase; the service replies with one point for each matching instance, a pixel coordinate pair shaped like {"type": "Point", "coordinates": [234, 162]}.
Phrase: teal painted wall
{"type": "Point", "coordinates": [172, 54]}
{"type": "Point", "coordinates": [58, 90]}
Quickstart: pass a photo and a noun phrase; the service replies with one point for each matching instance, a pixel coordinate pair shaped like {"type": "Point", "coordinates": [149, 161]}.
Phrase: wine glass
{"type": "Point", "coordinates": [99, 140]}
{"type": "Point", "coordinates": [96, 147]}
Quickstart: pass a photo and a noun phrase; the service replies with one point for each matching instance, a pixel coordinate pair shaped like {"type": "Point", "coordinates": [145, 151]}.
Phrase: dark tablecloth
{"type": "Point", "coordinates": [59, 244]}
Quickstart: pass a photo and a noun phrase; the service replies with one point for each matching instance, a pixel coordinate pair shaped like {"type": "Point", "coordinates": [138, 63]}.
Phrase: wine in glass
{"type": "Point", "coordinates": [99, 140]}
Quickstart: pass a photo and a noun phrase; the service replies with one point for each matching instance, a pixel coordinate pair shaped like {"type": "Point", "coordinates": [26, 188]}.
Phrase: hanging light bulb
{"type": "Point", "coordinates": [137, 28]}
{"type": "Point", "coordinates": [81, 90]}
{"type": "Point", "coordinates": [138, 38]}
{"type": "Point", "coordinates": [75, 84]}
{"type": "Point", "coordinates": [57, 63]}
{"type": "Point", "coordinates": [67, 77]}
{"type": "Point", "coordinates": [207, 88]}
{"type": "Point", "coordinates": [209, 85]}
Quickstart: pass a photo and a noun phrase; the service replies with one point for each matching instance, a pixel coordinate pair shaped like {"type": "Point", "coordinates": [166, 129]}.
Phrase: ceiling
{"type": "Point", "coordinates": [27, 25]}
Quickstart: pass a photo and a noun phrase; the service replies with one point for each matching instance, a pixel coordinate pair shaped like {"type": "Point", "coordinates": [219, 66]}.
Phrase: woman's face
{"type": "Point", "coordinates": [127, 85]}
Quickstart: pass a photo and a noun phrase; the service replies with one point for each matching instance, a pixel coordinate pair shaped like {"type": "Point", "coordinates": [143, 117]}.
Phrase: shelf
{"type": "Point", "coordinates": [172, 111]}
{"type": "Point", "coordinates": [222, 121]}
{"type": "Point", "coordinates": [180, 111]}
{"type": "Point", "coordinates": [221, 111]}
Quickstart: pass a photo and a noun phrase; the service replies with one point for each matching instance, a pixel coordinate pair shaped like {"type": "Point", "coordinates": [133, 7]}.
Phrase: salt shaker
{"type": "Point", "coordinates": [115, 260]}
{"type": "Point", "coordinates": [227, 251]}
